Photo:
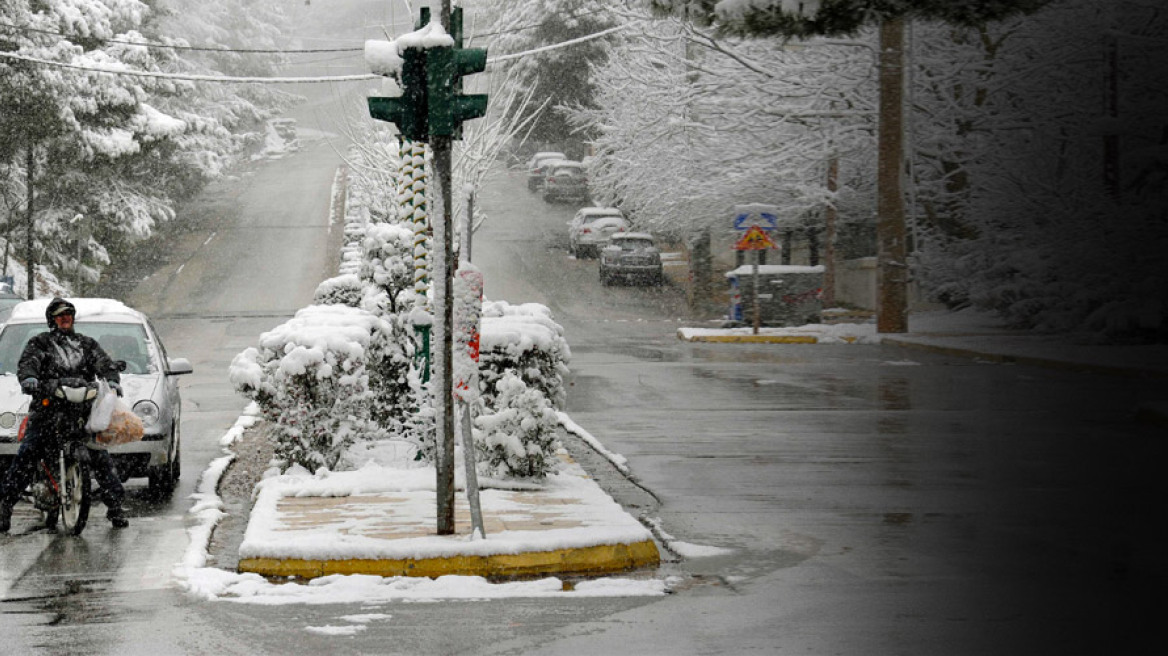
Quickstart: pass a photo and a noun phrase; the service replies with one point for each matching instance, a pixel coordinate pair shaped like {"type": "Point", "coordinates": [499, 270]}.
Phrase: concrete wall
{"type": "Point", "coordinates": [855, 282]}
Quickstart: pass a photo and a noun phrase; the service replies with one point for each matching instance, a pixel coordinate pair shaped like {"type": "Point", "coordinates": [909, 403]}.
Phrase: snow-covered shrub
{"type": "Point", "coordinates": [393, 378]}
{"type": "Point", "coordinates": [524, 339]}
{"type": "Point", "coordinates": [345, 289]}
{"type": "Point", "coordinates": [518, 434]}
{"type": "Point", "coordinates": [387, 261]}
{"type": "Point", "coordinates": [310, 377]}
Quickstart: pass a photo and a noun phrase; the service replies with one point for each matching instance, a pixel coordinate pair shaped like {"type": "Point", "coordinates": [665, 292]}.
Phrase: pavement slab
{"type": "Point", "coordinates": [381, 520]}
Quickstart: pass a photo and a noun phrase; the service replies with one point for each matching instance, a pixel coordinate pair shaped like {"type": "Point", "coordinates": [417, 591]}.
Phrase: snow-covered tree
{"type": "Point", "coordinates": [803, 18]}
{"type": "Point", "coordinates": [116, 150]}
{"type": "Point", "coordinates": [557, 76]}
{"type": "Point", "coordinates": [1023, 206]}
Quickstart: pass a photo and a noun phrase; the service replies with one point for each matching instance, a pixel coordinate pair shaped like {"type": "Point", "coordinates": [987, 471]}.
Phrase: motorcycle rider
{"type": "Point", "coordinates": [48, 357]}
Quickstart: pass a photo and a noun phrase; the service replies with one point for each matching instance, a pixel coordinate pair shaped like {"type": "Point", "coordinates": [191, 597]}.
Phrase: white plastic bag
{"type": "Point", "coordinates": [103, 408]}
{"type": "Point", "coordinates": [124, 426]}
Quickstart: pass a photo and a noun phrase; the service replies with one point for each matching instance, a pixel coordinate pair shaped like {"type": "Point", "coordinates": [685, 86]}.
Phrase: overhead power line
{"type": "Point", "coordinates": [265, 51]}
{"type": "Point", "coordinates": [288, 80]}
{"type": "Point", "coordinates": [194, 78]}
{"type": "Point", "coordinates": [151, 44]}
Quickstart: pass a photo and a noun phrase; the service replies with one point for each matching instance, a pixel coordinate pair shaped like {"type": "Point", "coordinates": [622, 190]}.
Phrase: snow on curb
{"type": "Point", "coordinates": [840, 333]}
{"type": "Point", "coordinates": [208, 508]}
{"type": "Point", "coordinates": [214, 584]}
{"type": "Point", "coordinates": [617, 460]}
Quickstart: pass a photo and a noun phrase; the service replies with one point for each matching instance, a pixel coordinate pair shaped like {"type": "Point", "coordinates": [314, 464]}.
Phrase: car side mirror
{"type": "Point", "coordinates": [178, 366]}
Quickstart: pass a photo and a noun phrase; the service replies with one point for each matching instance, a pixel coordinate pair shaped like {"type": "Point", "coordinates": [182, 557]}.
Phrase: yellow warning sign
{"type": "Point", "coordinates": [755, 239]}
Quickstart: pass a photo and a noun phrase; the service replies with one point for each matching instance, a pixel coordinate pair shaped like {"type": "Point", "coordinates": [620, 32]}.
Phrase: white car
{"type": "Point", "coordinates": [535, 167]}
{"type": "Point", "coordinates": [149, 384]}
{"type": "Point", "coordinates": [591, 228]}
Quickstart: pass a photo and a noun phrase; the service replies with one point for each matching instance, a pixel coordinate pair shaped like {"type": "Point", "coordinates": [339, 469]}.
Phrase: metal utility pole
{"type": "Point", "coordinates": [443, 163]}
{"type": "Point", "coordinates": [891, 254]}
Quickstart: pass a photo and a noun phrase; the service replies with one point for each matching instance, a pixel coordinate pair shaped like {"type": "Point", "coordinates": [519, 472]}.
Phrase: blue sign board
{"type": "Point", "coordinates": [764, 220]}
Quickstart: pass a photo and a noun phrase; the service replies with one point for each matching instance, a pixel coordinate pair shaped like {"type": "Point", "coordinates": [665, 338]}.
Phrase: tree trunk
{"type": "Point", "coordinates": [892, 269]}
{"type": "Point", "coordinates": [829, 217]}
{"type": "Point", "coordinates": [700, 269]}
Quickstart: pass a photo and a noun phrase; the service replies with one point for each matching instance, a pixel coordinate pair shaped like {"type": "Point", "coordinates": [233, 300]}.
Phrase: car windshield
{"type": "Point", "coordinates": [569, 171]}
{"type": "Point", "coordinates": [122, 341]}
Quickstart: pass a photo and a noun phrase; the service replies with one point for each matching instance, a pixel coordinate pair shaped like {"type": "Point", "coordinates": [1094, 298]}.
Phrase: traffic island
{"type": "Point", "coordinates": [381, 520]}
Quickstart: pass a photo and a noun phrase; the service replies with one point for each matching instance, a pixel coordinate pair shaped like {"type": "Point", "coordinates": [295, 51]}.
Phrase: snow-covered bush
{"type": "Point", "coordinates": [518, 434]}
{"type": "Point", "coordinates": [393, 379]}
{"type": "Point", "coordinates": [387, 261]}
{"type": "Point", "coordinates": [310, 377]}
{"type": "Point", "coordinates": [522, 360]}
{"type": "Point", "coordinates": [345, 289]}
{"type": "Point", "coordinates": [524, 339]}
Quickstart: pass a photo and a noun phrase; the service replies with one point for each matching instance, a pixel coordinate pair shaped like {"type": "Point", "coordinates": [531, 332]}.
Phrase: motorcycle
{"type": "Point", "coordinates": [61, 487]}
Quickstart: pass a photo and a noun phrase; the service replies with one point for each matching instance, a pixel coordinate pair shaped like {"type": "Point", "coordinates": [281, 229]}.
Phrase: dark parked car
{"type": "Point", "coordinates": [565, 180]}
{"type": "Point", "coordinates": [631, 256]}
{"type": "Point", "coordinates": [149, 384]}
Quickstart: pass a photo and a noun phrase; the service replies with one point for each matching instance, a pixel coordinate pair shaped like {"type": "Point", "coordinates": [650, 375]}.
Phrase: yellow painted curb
{"type": "Point", "coordinates": [755, 339]}
{"type": "Point", "coordinates": [600, 559]}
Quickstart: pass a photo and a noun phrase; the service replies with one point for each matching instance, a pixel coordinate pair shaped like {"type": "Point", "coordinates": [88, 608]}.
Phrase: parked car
{"type": "Point", "coordinates": [8, 300]}
{"type": "Point", "coordinates": [565, 180]}
{"type": "Point", "coordinates": [631, 256]}
{"type": "Point", "coordinates": [591, 228]}
{"type": "Point", "coordinates": [535, 170]}
{"type": "Point", "coordinates": [149, 384]}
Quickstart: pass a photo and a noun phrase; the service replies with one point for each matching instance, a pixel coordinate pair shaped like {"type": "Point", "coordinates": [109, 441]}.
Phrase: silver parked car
{"type": "Point", "coordinates": [535, 167]}
{"type": "Point", "coordinates": [591, 228]}
{"type": "Point", "coordinates": [565, 180]}
{"type": "Point", "coordinates": [631, 256]}
{"type": "Point", "coordinates": [149, 384]}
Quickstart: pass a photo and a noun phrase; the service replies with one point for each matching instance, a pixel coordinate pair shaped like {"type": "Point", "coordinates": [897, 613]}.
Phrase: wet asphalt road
{"type": "Point", "coordinates": [877, 501]}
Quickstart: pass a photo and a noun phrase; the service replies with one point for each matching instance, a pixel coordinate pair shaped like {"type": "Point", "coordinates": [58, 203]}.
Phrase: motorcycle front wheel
{"type": "Point", "coordinates": [73, 493]}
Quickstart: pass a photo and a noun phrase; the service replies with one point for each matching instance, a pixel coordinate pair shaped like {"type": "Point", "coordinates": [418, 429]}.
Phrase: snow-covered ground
{"type": "Point", "coordinates": [389, 468]}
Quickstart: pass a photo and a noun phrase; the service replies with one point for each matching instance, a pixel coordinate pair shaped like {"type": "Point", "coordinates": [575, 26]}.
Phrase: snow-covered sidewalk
{"type": "Point", "coordinates": [966, 333]}
{"type": "Point", "coordinates": [380, 519]}
{"type": "Point", "coordinates": [371, 533]}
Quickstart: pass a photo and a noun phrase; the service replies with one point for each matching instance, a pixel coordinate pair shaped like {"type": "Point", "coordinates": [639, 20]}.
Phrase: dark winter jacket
{"type": "Point", "coordinates": [53, 355]}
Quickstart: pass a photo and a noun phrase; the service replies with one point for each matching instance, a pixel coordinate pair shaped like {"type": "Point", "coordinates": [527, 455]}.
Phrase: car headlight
{"type": "Point", "coordinates": [8, 420]}
{"type": "Point", "coordinates": [147, 411]}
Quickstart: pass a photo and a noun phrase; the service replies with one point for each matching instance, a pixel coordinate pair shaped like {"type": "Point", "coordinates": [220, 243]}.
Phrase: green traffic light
{"type": "Point", "coordinates": [449, 107]}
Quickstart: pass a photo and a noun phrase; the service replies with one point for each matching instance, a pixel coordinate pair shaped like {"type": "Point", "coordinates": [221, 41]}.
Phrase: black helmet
{"type": "Point", "coordinates": [58, 306]}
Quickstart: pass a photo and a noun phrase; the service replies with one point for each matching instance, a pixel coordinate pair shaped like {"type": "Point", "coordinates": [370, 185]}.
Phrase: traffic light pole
{"type": "Point", "coordinates": [442, 148]}
{"type": "Point", "coordinates": [431, 108]}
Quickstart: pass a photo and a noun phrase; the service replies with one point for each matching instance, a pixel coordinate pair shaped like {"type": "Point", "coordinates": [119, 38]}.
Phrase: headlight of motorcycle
{"type": "Point", "coordinates": [147, 411]}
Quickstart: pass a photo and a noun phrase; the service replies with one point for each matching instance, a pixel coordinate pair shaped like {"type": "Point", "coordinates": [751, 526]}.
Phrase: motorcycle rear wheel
{"type": "Point", "coordinates": [74, 496]}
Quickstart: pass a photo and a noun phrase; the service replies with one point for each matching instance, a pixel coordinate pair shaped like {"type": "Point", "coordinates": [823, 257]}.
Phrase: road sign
{"type": "Point", "coordinates": [755, 239]}
{"type": "Point", "coordinates": [764, 220]}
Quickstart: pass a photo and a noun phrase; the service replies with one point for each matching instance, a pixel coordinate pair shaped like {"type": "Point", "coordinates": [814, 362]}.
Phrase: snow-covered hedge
{"type": "Point", "coordinates": [518, 435]}
{"type": "Point", "coordinates": [527, 340]}
{"type": "Point", "coordinates": [310, 377]}
{"type": "Point", "coordinates": [523, 360]}
{"type": "Point", "coordinates": [345, 289]}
